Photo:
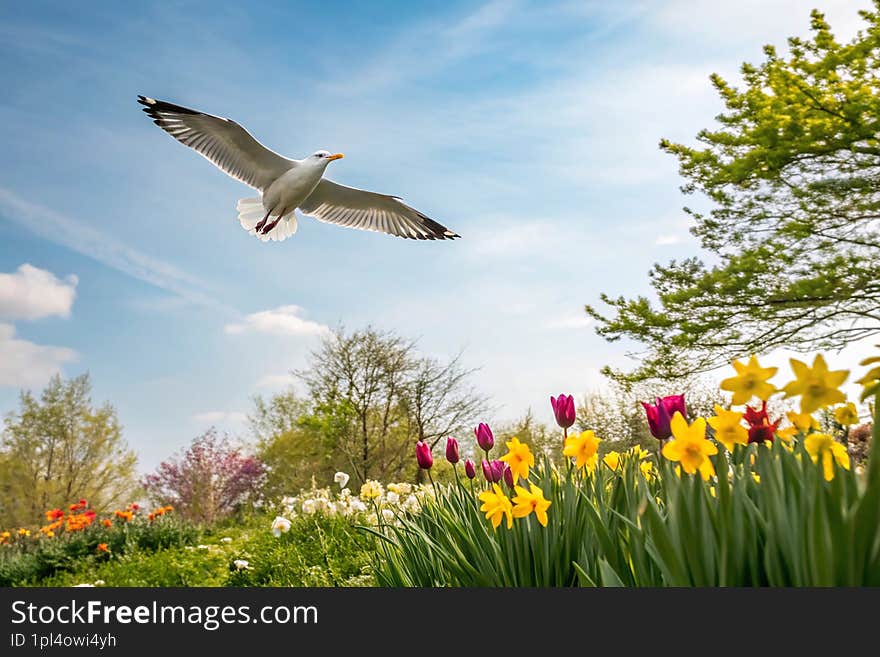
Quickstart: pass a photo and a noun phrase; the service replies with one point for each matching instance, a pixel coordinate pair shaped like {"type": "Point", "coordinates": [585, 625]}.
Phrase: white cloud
{"type": "Point", "coordinates": [220, 417]}
{"type": "Point", "coordinates": [276, 381]}
{"type": "Point", "coordinates": [25, 364]}
{"type": "Point", "coordinates": [284, 320]}
{"type": "Point", "coordinates": [667, 240]}
{"type": "Point", "coordinates": [32, 293]}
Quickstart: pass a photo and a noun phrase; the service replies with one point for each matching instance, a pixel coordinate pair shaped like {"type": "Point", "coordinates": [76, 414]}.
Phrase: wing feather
{"type": "Point", "coordinates": [333, 203]}
{"type": "Point", "coordinates": [222, 141]}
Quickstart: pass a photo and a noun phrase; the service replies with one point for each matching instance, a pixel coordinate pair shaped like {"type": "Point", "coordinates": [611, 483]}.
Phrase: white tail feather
{"type": "Point", "coordinates": [251, 212]}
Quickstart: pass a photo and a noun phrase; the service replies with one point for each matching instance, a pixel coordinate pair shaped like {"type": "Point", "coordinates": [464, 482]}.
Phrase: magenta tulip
{"type": "Point", "coordinates": [485, 439]}
{"type": "Point", "coordinates": [423, 455]}
{"type": "Point", "coordinates": [563, 409]}
{"type": "Point", "coordinates": [508, 476]}
{"type": "Point", "coordinates": [661, 413]}
{"type": "Point", "coordinates": [452, 450]}
{"type": "Point", "coordinates": [469, 469]}
{"type": "Point", "coordinates": [492, 471]}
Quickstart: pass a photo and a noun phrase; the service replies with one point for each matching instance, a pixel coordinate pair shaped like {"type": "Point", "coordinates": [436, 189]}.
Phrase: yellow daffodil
{"type": "Point", "coordinates": [846, 415]}
{"type": "Point", "coordinates": [612, 460]}
{"type": "Point", "coordinates": [527, 501]}
{"type": "Point", "coordinates": [756, 477]}
{"type": "Point", "coordinates": [647, 470]}
{"type": "Point", "coordinates": [584, 448]}
{"type": "Point", "coordinates": [816, 385]}
{"type": "Point", "coordinates": [496, 506]}
{"type": "Point", "coordinates": [712, 491]}
{"type": "Point", "coordinates": [870, 382]}
{"type": "Point", "coordinates": [371, 489]}
{"type": "Point", "coordinates": [800, 423]}
{"type": "Point", "coordinates": [520, 458]}
{"type": "Point", "coordinates": [638, 453]}
{"type": "Point", "coordinates": [728, 427]}
{"type": "Point", "coordinates": [821, 445]}
{"type": "Point", "coordinates": [750, 381]}
{"type": "Point", "coordinates": [690, 447]}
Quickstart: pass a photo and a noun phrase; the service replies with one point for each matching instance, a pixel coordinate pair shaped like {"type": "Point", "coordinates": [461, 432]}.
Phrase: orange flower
{"type": "Point", "coordinates": [107, 522]}
{"type": "Point", "coordinates": [124, 515]}
{"type": "Point", "coordinates": [54, 514]}
{"type": "Point", "coordinates": [102, 547]}
{"type": "Point", "coordinates": [169, 509]}
{"type": "Point", "coordinates": [74, 507]}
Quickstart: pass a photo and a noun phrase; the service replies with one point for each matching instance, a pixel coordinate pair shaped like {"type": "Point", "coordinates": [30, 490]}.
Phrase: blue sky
{"type": "Point", "coordinates": [529, 128]}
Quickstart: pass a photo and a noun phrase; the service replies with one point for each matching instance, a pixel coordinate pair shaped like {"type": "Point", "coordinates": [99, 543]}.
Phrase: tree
{"type": "Point", "coordinates": [374, 396]}
{"type": "Point", "coordinates": [793, 175]}
{"type": "Point", "coordinates": [208, 481]}
{"type": "Point", "coordinates": [60, 448]}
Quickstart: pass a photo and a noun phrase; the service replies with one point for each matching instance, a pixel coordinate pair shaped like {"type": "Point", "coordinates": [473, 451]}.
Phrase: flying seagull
{"type": "Point", "coordinates": [286, 185]}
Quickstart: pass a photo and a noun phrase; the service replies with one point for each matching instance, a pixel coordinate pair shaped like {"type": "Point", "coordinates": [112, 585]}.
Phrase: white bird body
{"type": "Point", "coordinates": [287, 185]}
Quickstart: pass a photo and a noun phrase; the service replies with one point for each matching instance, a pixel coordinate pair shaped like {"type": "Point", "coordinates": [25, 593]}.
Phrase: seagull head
{"type": "Point", "coordinates": [323, 158]}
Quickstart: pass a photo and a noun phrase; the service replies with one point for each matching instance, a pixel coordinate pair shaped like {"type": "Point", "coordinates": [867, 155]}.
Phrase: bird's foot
{"type": "Point", "coordinates": [269, 226]}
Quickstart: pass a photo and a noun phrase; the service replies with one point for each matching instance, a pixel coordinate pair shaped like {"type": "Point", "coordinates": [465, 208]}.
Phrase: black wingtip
{"type": "Point", "coordinates": [153, 106]}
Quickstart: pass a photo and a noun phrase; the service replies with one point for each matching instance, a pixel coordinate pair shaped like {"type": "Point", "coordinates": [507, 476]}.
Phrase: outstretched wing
{"type": "Point", "coordinates": [222, 141]}
{"type": "Point", "coordinates": [357, 208]}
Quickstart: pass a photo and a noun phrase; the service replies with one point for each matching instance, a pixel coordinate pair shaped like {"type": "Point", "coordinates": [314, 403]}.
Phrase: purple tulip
{"type": "Point", "coordinates": [424, 456]}
{"type": "Point", "coordinates": [485, 439]}
{"type": "Point", "coordinates": [492, 471]}
{"type": "Point", "coordinates": [563, 409]}
{"type": "Point", "coordinates": [661, 413]}
{"type": "Point", "coordinates": [452, 450]}
{"type": "Point", "coordinates": [508, 476]}
{"type": "Point", "coordinates": [469, 469]}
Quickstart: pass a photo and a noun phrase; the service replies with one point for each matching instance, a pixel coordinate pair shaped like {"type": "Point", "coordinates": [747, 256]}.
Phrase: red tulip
{"type": "Point", "coordinates": [760, 427]}
{"type": "Point", "coordinates": [563, 409]}
{"type": "Point", "coordinates": [661, 413]}
{"type": "Point", "coordinates": [423, 455]}
{"type": "Point", "coordinates": [452, 450]}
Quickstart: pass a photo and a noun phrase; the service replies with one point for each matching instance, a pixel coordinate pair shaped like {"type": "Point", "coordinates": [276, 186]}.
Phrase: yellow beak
{"type": "Point", "coordinates": [335, 156]}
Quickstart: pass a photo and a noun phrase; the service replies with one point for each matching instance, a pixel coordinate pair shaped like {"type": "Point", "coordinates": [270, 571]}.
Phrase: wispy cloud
{"type": "Point", "coordinates": [25, 364]}
{"type": "Point", "coordinates": [221, 417]}
{"type": "Point", "coordinates": [33, 293]}
{"type": "Point", "coordinates": [276, 381]}
{"type": "Point", "coordinates": [284, 320]}
{"type": "Point", "coordinates": [570, 322]}
{"type": "Point", "coordinates": [82, 238]}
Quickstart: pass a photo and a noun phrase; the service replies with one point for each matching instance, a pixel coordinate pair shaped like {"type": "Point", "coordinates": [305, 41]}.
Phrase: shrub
{"type": "Point", "coordinates": [208, 481]}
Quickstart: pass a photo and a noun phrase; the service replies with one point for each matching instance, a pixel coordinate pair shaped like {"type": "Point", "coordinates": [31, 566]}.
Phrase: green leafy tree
{"type": "Point", "coordinates": [60, 448]}
{"type": "Point", "coordinates": [792, 174]}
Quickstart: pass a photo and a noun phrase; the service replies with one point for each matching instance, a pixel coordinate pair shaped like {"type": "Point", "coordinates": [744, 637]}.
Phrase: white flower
{"type": "Point", "coordinates": [358, 506]}
{"type": "Point", "coordinates": [309, 507]}
{"type": "Point", "coordinates": [411, 504]}
{"type": "Point", "coordinates": [341, 478]}
{"type": "Point", "coordinates": [226, 539]}
{"type": "Point", "coordinates": [287, 500]}
{"type": "Point", "coordinates": [392, 498]}
{"type": "Point", "coordinates": [280, 526]}
{"type": "Point", "coordinates": [241, 564]}
{"type": "Point", "coordinates": [99, 582]}
{"type": "Point", "coordinates": [89, 586]}
{"type": "Point", "coordinates": [388, 515]}
{"type": "Point", "coordinates": [202, 547]}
